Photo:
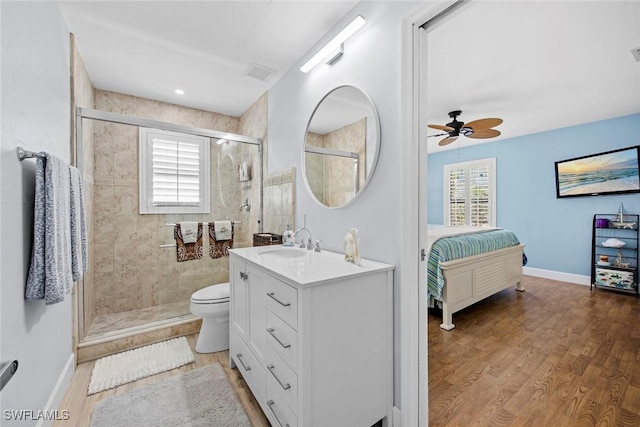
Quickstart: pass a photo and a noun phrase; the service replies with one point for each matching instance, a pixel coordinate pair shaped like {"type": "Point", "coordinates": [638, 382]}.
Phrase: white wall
{"type": "Point", "coordinates": [372, 62]}
{"type": "Point", "coordinates": [35, 114]}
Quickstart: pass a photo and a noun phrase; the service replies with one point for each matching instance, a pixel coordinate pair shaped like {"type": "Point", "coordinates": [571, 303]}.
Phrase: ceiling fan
{"type": "Point", "coordinates": [478, 129]}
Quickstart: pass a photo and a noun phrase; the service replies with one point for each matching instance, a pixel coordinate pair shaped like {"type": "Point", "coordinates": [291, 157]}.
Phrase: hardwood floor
{"type": "Point", "coordinates": [555, 355]}
{"type": "Point", "coordinates": [80, 406]}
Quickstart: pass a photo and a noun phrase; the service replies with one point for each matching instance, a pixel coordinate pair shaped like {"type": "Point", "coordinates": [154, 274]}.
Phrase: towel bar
{"type": "Point", "coordinates": [173, 245]}
{"type": "Point", "coordinates": [25, 154]}
{"type": "Point", "coordinates": [204, 223]}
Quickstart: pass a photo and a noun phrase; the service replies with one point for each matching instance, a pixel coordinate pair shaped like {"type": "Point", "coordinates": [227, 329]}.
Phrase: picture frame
{"type": "Point", "coordinates": [610, 172]}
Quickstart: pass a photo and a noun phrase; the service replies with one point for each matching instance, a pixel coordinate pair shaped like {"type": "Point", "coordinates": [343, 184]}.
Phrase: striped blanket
{"type": "Point", "coordinates": [446, 245]}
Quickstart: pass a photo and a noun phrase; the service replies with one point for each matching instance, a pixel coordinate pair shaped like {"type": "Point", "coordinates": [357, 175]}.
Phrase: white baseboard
{"type": "Point", "coordinates": [55, 400]}
{"type": "Point", "coordinates": [397, 417]}
{"type": "Point", "coordinates": [557, 275]}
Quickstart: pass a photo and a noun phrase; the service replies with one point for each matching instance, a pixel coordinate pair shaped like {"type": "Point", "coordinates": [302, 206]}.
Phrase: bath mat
{"type": "Point", "coordinates": [128, 366]}
{"type": "Point", "coordinates": [199, 398]}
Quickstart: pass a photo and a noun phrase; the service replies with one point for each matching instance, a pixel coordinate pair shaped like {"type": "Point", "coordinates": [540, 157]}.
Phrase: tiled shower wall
{"type": "Point", "coordinates": [254, 123]}
{"type": "Point", "coordinates": [279, 191]}
{"type": "Point", "coordinates": [132, 271]}
{"type": "Point", "coordinates": [278, 187]}
{"type": "Point", "coordinates": [330, 177]}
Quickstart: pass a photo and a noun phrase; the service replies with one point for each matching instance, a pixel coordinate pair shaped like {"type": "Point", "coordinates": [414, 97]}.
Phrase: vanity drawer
{"type": "Point", "coordinates": [283, 339]}
{"type": "Point", "coordinates": [247, 364]}
{"type": "Point", "coordinates": [282, 299]}
{"type": "Point", "coordinates": [277, 408]}
{"type": "Point", "coordinates": [285, 378]}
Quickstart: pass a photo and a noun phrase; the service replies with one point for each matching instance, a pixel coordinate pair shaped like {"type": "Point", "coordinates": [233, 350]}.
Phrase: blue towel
{"type": "Point", "coordinates": [50, 273]}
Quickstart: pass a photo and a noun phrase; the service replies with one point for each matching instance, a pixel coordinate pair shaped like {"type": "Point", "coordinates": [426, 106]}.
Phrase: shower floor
{"type": "Point", "coordinates": [108, 323]}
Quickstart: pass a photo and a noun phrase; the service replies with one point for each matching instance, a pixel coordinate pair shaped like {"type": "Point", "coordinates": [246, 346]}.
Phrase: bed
{"type": "Point", "coordinates": [468, 264]}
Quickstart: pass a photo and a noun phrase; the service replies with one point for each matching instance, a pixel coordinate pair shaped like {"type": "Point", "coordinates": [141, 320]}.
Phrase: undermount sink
{"type": "Point", "coordinates": [283, 252]}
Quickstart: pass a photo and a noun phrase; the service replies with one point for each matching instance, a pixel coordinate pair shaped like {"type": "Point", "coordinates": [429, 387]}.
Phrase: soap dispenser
{"type": "Point", "coordinates": [288, 238]}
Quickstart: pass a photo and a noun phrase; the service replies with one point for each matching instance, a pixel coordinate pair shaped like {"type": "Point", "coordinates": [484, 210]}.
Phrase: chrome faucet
{"type": "Point", "coordinates": [309, 245]}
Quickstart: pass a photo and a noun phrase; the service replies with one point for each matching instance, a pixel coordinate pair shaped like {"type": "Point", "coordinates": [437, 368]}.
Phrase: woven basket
{"type": "Point", "coordinates": [266, 239]}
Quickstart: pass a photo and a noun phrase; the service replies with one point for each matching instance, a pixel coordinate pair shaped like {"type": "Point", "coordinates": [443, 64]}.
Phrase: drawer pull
{"type": "Point", "coordinates": [271, 332]}
{"type": "Point", "coordinates": [243, 275]}
{"type": "Point", "coordinates": [284, 386]}
{"type": "Point", "coordinates": [246, 367]}
{"type": "Point", "coordinates": [284, 304]}
{"type": "Point", "coordinates": [270, 404]}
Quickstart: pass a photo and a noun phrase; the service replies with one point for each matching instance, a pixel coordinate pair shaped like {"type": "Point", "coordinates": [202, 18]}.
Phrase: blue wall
{"type": "Point", "coordinates": [556, 232]}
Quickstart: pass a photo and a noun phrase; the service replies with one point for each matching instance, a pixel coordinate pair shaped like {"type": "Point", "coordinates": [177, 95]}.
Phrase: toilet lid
{"type": "Point", "coordinates": [212, 293]}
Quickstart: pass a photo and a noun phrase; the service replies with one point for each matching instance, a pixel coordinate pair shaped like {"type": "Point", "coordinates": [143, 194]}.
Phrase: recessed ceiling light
{"type": "Point", "coordinates": [179, 92]}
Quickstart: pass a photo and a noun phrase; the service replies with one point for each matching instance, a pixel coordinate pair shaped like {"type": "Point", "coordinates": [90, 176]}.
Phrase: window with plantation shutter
{"type": "Point", "coordinates": [470, 189]}
{"type": "Point", "coordinates": [174, 172]}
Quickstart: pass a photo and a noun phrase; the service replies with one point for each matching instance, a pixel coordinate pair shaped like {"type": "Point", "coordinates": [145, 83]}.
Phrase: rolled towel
{"type": "Point", "coordinates": [189, 231]}
{"type": "Point", "coordinates": [223, 230]}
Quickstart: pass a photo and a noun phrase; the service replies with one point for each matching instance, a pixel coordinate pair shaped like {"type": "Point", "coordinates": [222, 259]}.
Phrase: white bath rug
{"type": "Point", "coordinates": [128, 366]}
{"type": "Point", "coordinates": [202, 397]}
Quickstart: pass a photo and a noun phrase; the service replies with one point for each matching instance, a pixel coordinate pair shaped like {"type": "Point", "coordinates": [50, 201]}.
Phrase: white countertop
{"type": "Point", "coordinates": [312, 267]}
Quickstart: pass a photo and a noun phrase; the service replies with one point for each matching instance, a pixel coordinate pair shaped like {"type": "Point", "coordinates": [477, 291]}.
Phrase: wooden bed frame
{"type": "Point", "coordinates": [469, 280]}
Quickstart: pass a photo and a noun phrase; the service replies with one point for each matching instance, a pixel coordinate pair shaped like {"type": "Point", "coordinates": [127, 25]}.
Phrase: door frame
{"type": "Point", "coordinates": [413, 302]}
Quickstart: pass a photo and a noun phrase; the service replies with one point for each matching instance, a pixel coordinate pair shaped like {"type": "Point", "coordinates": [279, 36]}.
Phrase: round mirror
{"type": "Point", "coordinates": [341, 146]}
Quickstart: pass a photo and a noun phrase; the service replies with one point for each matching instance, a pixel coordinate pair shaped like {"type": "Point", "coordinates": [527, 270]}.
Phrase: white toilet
{"type": "Point", "coordinates": [212, 304]}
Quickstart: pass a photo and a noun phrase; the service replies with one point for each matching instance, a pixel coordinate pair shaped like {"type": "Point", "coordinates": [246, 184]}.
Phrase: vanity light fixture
{"type": "Point", "coordinates": [179, 92]}
{"type": "Point", "coordinates": [334, 45]}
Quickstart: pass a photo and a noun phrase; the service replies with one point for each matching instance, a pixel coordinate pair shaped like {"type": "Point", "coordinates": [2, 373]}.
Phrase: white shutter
{"type": "Point", "coordinates": [470, 193]}
{"type": "Point", "coordinates": [174, 172]}
{"type": "Point", "coordinates": [457, 194]}
{"type": "Point", "coordinates": [479, 195]}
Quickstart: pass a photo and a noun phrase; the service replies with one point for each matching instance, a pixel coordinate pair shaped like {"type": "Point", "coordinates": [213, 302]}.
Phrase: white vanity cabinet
{"type": "Point", "coordinates": [312, 336]}
{"type": "Point", "coordinates": [247, 320]}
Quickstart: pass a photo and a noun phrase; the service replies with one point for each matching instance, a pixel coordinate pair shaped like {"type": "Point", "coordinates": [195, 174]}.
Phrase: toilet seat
{"type": "Point", "coordinates": [214, 294]}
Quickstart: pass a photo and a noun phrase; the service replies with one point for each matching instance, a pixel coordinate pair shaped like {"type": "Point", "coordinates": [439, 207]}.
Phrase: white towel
{"type": "Point", "coordinates": [78, 226]}
{"type": "Point", "coordinates": [189, 230]}
{"type": "Point", "coordinates": [50, 276]}
{"type": "Point", "coordinates": [223, 230]}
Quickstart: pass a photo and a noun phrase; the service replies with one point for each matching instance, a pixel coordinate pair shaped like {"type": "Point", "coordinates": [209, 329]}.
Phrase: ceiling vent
{"type": "Point", "coordinates": [636, 53]}
{"type": "Point", "coordinates": [260, 72]}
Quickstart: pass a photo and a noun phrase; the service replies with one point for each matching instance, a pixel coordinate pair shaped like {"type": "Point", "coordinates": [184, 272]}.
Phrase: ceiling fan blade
{"type": "Point", "coordinates": [483, 123]}
{"type": "Point", "coordinates": [484, 133]}
{"type": "Point", "coordinates": [440, 127]}
{"type": "Point", "coordinates": [447, 140]}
